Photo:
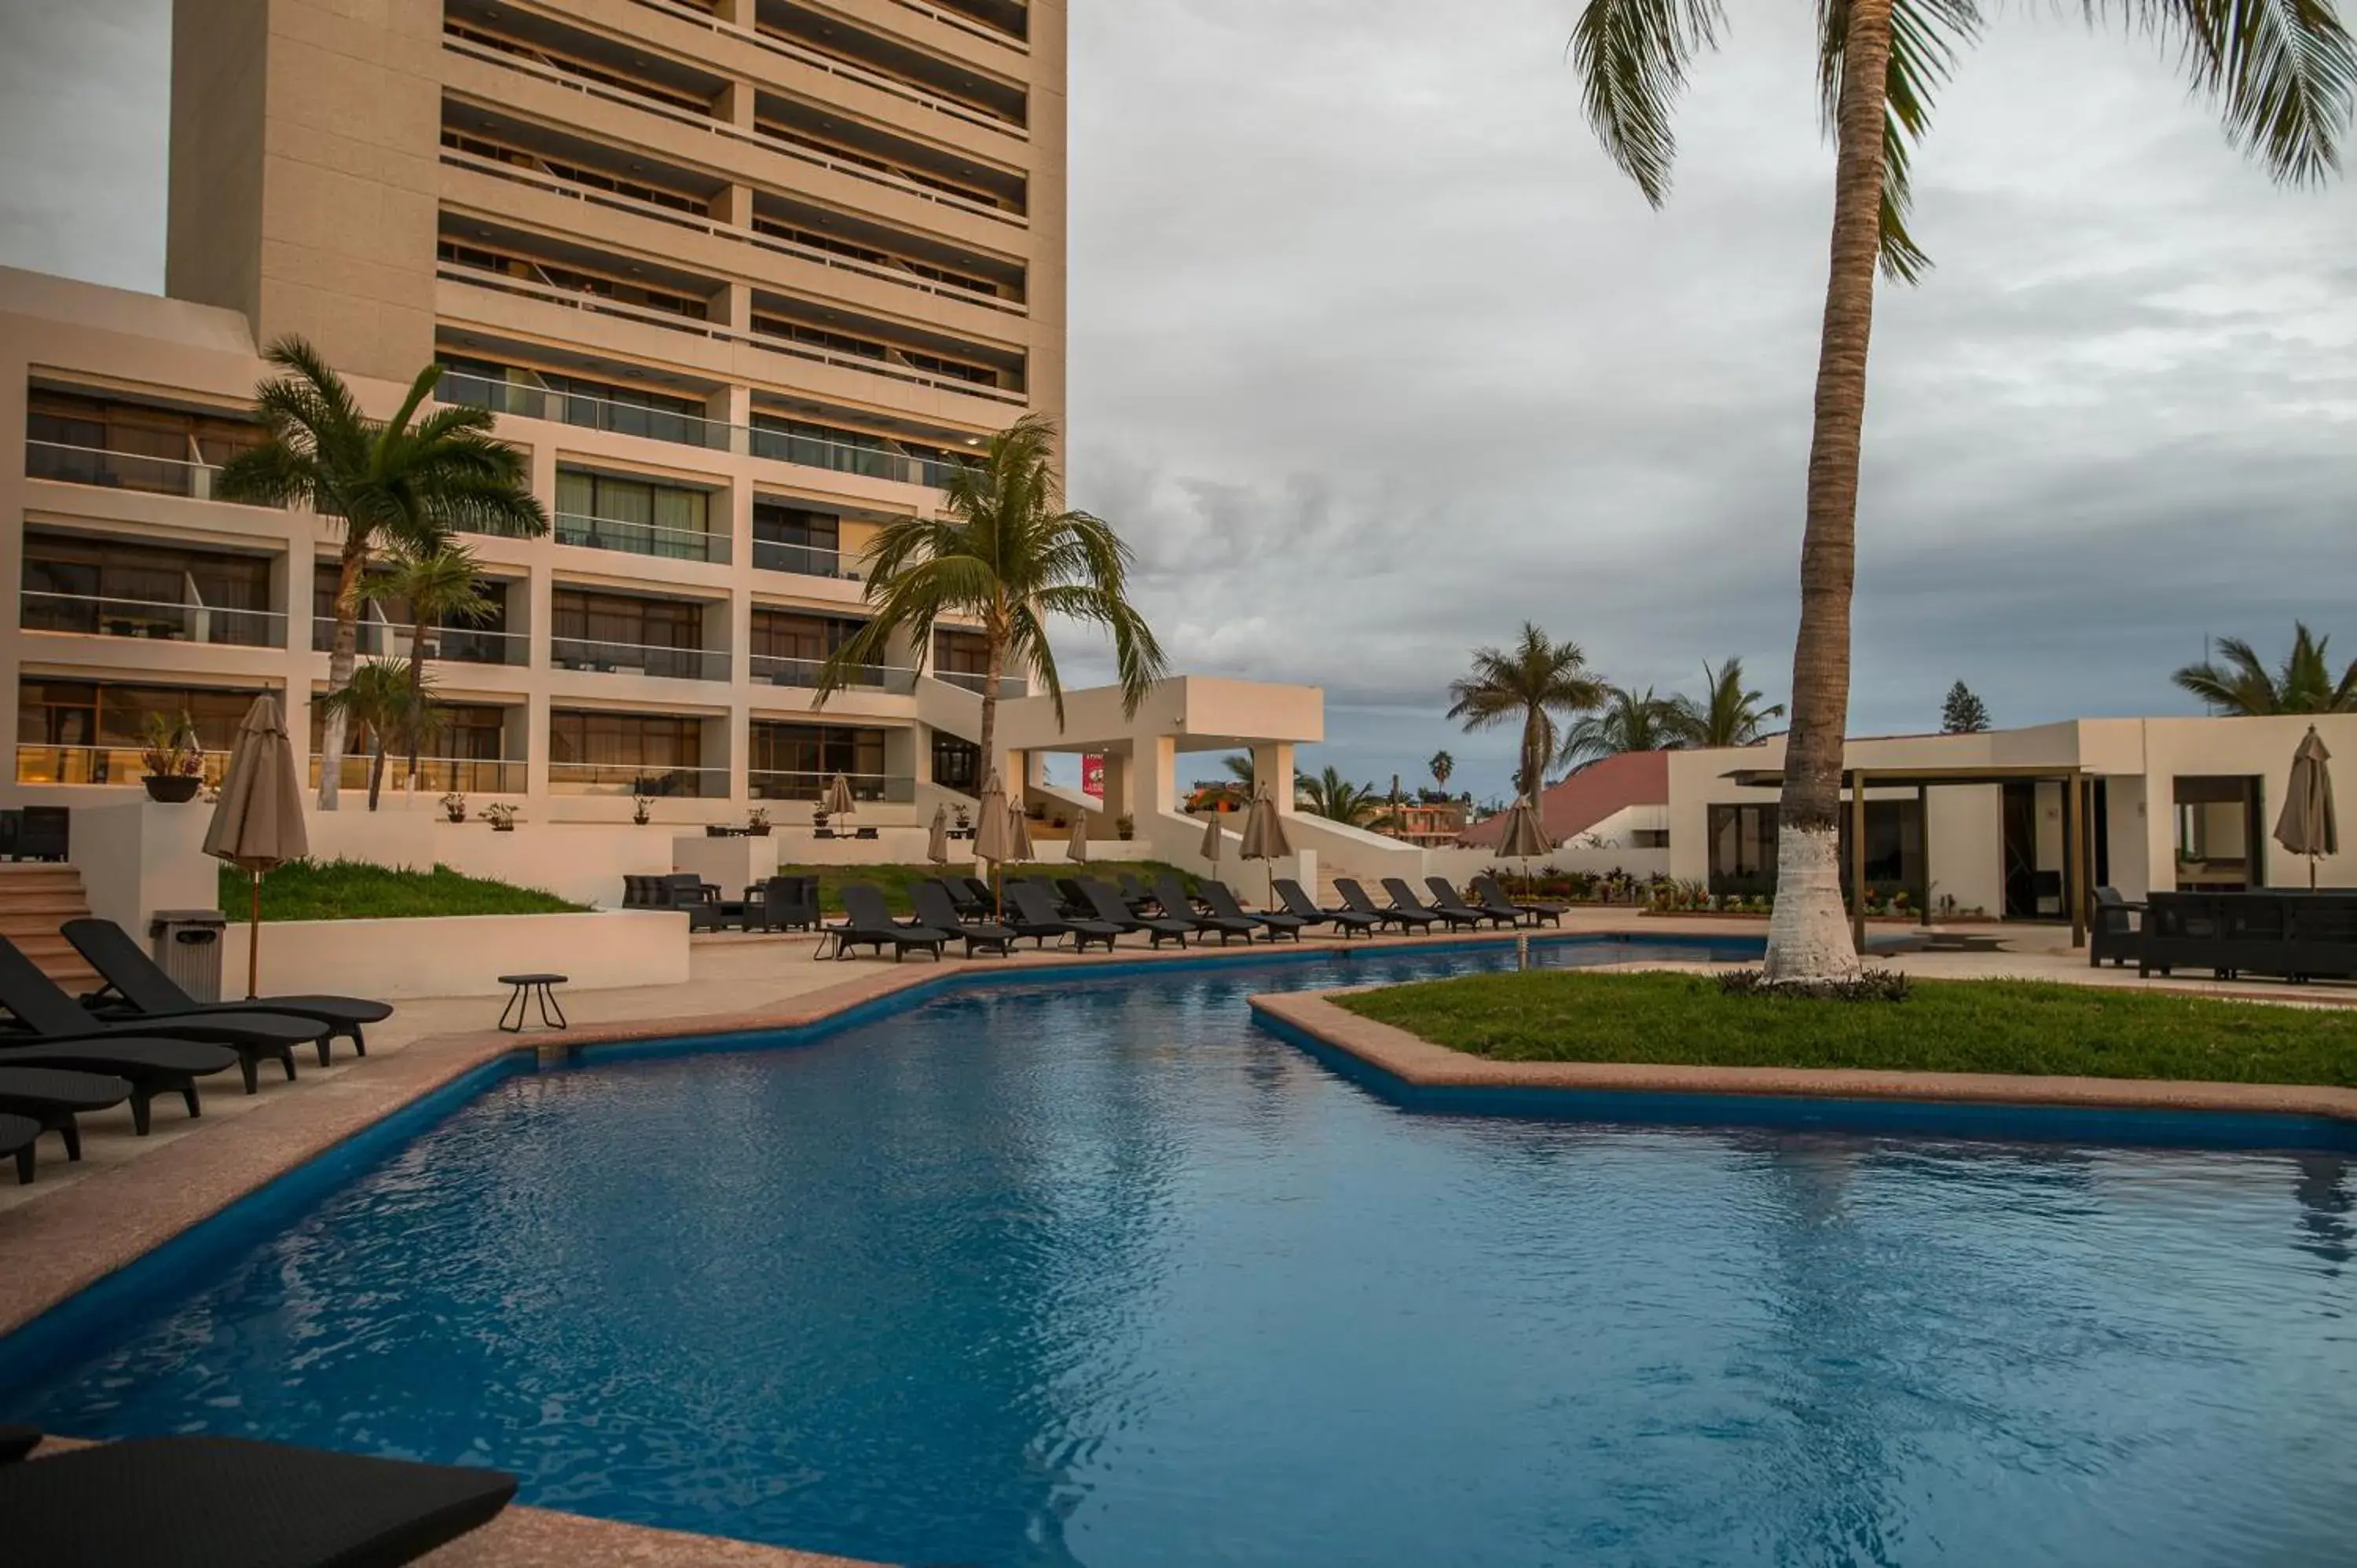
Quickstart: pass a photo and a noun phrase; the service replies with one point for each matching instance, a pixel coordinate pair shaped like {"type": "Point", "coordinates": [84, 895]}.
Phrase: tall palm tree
{"type": "Point", "coordinates": [1727, 714]}
{"type": "Point", "coordinates": [1533, 683]}
{"type": "Point", "coordinates": [2243, 686]}
{"type": "Point", "coordinates": [2284, 72]}
{"type": "Point", "coordinates": [383, 481]}
{"type": "Point", "coordinates": [440, 585]}
{"type": "Point", "coordinates": [1331, 796]}
{"type": "Point", "coordinates": [1628, 721]}
{"type": "Point", "coordinates": [1442, 765]}
{"type": "Point", "coordinates": [380, 703]}
{"type": "Point", "coordinates": [1010, 555]}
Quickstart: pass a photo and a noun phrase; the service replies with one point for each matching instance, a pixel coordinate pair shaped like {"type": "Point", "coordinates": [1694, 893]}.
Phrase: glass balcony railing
{"type": "Point", "coordinates": [1008, 685]}
{"type": "Point", "coordinates": [588, 413]}
{"type": "Point", "coordinates": [638, 658]}
{"type": "Point", "coordinates": [642, 538]}
{"type": "Point", "coordinates": [655, 780]}
{"type": "Point", "coordinates": [451, 644]}
{"type": "Point", "coordinates": [118, 470]}
{"type": "Point", "coordinates": [436, 775]}
{"type": "Point", "coordinates": [884, 789]}
{"type": "Point", "coordinates": [804, 560]}
{"type": "Point", "coordinates": [850, 457]}
{"type": "Point", "coordinates": [42, 764]}
{"type": "Point", "coordinates": [776, 671]}
{"type": "Point", "coordinates": [92, 616]}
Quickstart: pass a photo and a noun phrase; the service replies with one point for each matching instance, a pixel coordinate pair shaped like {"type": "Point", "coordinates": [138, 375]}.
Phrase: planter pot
{"type": "Point", "coordinates": [503, 827]}
{"type": "Point", "coordinates": [760, 832]}
{"type": "Point", "coordinates": [713, 832]}
{"type": "Point", "coordinates": [172, 787]}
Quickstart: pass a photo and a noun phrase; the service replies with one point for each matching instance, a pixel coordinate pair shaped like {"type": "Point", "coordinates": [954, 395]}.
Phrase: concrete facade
{"type": "Point", "coordinates": [742, 279]}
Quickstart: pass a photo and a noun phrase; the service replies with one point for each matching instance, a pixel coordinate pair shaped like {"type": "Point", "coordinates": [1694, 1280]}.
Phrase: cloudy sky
{"type": "Point", "coordinates": [1374, 356]}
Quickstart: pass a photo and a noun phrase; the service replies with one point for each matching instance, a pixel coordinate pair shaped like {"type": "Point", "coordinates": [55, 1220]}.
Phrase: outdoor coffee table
{"type": "Point", "coordinates": [518, 1000]}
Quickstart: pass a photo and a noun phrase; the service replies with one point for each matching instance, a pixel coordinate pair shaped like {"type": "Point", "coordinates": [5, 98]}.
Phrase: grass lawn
{"type": "Point", "coordinates": [1957, 1026]}
{"type": "Point", "coordinates": [353, 890]}
{"type": "Point", "coordinates": [896, 880]}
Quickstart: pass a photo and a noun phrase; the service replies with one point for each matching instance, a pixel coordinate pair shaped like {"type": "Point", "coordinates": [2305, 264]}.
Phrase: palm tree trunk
{"type": "Point", "coordinates": [1535, 759]}
{"type": "Point", "coordinates": [376, 770]}
{"type": "Point", "coordinates": [416, 699]}
{"type": "Point", "coordinates": [341, 653]}
{"type": "Point", "coordinates": [994, 663]}
{"type": "Point", "coordinates": [1808, 935]}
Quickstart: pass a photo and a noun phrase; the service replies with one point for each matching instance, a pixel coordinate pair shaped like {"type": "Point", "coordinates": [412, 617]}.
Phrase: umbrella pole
{"type": "Point", "coordinates": [253, 934]}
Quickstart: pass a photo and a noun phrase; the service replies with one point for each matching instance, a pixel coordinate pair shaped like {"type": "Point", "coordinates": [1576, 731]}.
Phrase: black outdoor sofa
{"type": "Point", "coordinates": [2295, 935]}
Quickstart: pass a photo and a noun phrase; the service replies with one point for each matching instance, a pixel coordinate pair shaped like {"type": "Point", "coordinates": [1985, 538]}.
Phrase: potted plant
{"type": "Point", "coordinates": [757, 825]}
{"type": "Point", "coordinates": [641, 810]}
{"type": "Point", "coordinates": [1060, 823]}
{"type": "Point", "coordinates": [964, 819]}
{"type": "Point", "coordinates": [819, 816]}
{"type": "Point", "coordinates": [454, 806]}
{"type": "Point", "coordinates": [503, 818]}
{"type": "Point", "coordinates": [175, 762]}
{"type": "Point", "coordinates": [1125, 827]}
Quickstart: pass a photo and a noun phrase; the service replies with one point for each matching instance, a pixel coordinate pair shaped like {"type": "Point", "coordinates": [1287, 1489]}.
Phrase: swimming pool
{"type": "Point", "coordinates": [1096, 1272]}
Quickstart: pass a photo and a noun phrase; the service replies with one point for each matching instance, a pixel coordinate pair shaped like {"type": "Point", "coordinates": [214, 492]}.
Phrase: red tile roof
{"type": "Point", "coordinates": [1592, 794]}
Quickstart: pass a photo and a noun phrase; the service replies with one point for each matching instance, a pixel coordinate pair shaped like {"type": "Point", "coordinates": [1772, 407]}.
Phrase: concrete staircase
{"type": "Point", "coordinates": [35, 899]}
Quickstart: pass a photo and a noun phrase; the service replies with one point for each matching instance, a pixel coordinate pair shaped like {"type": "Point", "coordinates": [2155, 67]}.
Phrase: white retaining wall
{"type": "Point", "coordinates": [460, 955]}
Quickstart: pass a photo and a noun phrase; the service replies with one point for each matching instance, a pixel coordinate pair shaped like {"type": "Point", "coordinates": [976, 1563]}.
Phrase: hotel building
{"type": "Point", "coordinates": [743, 277]}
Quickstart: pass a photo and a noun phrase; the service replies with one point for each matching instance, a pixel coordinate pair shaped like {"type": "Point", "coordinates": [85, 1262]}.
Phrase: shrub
{"type": "Point", "coordinates": [1870, 985]}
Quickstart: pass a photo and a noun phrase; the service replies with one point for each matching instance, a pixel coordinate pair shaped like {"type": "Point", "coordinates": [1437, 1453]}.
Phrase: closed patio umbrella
{"type": "Point", "coordinates": [990, 841]}
{"type": "Point", "coordinates": [1524, 835]}
{"type": "Point", "coordinates": [1018, 834]}
{"type": "Point", "coordinates": [937, 842]}
{"type": "Point", "coordinates": [839, 803]}
{"type": "Point", "coordinates": [2308, 825]}
{"type": "Point", "coordinates": [1077, 851]}
{"type": "Point", "coordinates": [1212, 837]}
{"type": "Point", "coordinates": [1264, 835]}
{"type": "Point", "coordinates": [259, 824]}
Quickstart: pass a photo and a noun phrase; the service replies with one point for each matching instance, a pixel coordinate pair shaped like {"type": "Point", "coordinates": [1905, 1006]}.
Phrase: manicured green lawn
{"type": "Point", "coordinates": [353, 890]}
{"type": "Point", "coordinates": [896, 880]}
{"type": "Point", "coordinates": [1991, 1026]}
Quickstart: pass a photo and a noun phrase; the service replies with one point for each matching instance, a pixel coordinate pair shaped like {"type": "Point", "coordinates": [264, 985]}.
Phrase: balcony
{"type": "Point", "coordinates": [42, 764]}
{"type": "Point", "coordinates": [872, 788]}
{"type": "Point", "coordinates": [851, 457]}
{"type": "Point", "coordinates": [803, 560]}
{"type": "Point", "coordinates": [118, 470]}
{"type": "Point", "coordinates": [439, 774]}
{"type": "Point", "coordinates": [652, 780]}
{"type": "Point", "coordinates": [91, 615]}
{"type": "Point", "coordinates": [642, 538]}
{"type": "Point", "coordinates": [452, 644]}
{"type": "Point", "coordinates": [1008, 685]}
{"type": "Point", "coordinates": [803, 673]}
{"type": "Point", "coordinates": [638, 658]}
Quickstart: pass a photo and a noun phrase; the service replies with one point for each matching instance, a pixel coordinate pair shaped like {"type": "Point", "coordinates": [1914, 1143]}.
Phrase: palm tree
{"type": "Point", "coordinates": [381, 702]}
{"type": "Point", "coordinates": [2242, 686]}
{"type": "Point", "coordinates": [384, 481]}
{"type": "Point", "coordinates": [1628, 721]}
{"type": "Point", "coordinates": [1331, 796]}
{"type": "Point", "coordinates": [1442, 765]}
{"type": "Point", "coordinates": [1008, 555]}
{"type": "Point", "coordinates": [1728, 715]}
{"type": "Point", "coordinates": [2284, 72]}
{"type": "Point", "coordinates": [1533, 684]}
{"type": "Point", "coordinates": [441, 586]}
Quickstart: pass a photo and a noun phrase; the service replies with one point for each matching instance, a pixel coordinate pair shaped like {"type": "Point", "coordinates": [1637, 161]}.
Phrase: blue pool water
{"type": "Point", "coordinates": [1099, 1274]}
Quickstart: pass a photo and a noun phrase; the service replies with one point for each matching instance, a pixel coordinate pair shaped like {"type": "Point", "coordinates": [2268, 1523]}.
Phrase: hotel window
{"type": "Point", "coordinates": [960, 653]}
{"type": "Point", "coordinates": [793, 539]}
{"type": "Point", "coordinates": [794, 762]}
{"type": "Point", "coordinates": [1743, 849]}
{"type": "Point", "coordinates": [957, 764]}
{"type": "Point", "coordinates": [584, 617]}
{"type": "Point", "coordinates": [83, 583]}
{"type": "Point", "coordinates": [83, 732]}
{"type": "Point", "coordinates": [645, 753]}
{"type": "Point", "coordinates": [634, 514]}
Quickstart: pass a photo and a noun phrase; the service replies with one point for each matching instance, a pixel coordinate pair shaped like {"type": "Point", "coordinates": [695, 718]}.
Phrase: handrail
{"type": "Point", "coordinates": [108, 467]}
{"type": "Point", "coordinates": [779, 670]}
{"type": "Point", "coordinates": [710, 125]}
{"type": "Point", "coordinates": [1008, 685]}
{"type": "Point", "coordinates": [637, 657]}
{"type": "Point", "coordinates": [95, 764]}
{"type": "Point", "coordinates": [192, 623]}
{"type": "Point", "coordinates": [784, 784]}
{"type": "Point", "coordinates": [803, 560]}
{"type": "Point", "coordinates": [466, 775]}
{"type": "Point", "coordinates": [641, 538]}
{"type": "Point", "coordinates": [597, 305]}
{"type": "Point", "coordinates": [636, 779]}
{"type": "Point", "coordinates": [380, 639]}
{"type": "Point", "coordinates": [557, 185]}
{"type": "Point", "coordinates": [987, 32]}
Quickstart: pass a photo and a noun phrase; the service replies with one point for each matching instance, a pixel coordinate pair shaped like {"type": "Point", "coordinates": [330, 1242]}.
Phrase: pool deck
{"type": "Point", "coordinates": [81, 1222]}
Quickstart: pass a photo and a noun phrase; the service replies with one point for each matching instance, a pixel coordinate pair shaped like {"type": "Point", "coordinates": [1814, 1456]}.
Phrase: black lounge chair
{"type": "Point", "coordinates": [867, 923]}
{"type": "Point", "coordinates": [1172, 894]}
{"type": "Point", "coordinates": [138, 987]}
{"type": "Point", "coordinates": [47, 1015]}
{"type": "Point", "coordinates": [1403, 898]}
{"type": "Point", "coordinates": [969, 905]}
{"type": "Point", "coordinates": [18, 1136]}
{"type": "Point", "coordinates": [1106, 905]}
{"type": "Point", "coordinates": [1356, 898]}
{"type": "Point", "coordinates": [1489, 890]}
{"type": "Point", "coordinates": [1032, 912]}
{"type": "Point", "coordinates": [1303, 907]}
{"type": "Point", "coordinates": [1073, 901]}
{"type": "Point", "coordinates": [149, 1066]}
{"type": "Point", "coordinates": [937, 909]}
{"type": "Point", "coordinates": [224, 1502]}
{"type": "Point", "coordinates": [978, 890]}
{"type": "Point", "coordinates": [1222, 900]}
{"type": "Point", "coordinates": [1497, 911]}
{"type": "Point", "coordinates": [2115, 935]}
{"type": "Point", "coordinates": [54, 1097]}
{"type": "Point", "coordinates": [1138, 895]}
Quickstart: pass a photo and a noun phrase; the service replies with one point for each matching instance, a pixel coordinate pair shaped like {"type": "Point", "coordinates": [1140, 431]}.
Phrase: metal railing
{"type": "Point", "coordinates": [642, 538]}
{"type": "Point", "coordinates": [452, 644]}
{"type": "Point", "coordinates": [42, 764]}
{"type": "Point", "coordinates": [877, 787]}
{"type": "Point", "coordinates": [118, 470]}
{"type": "Point", "coordinates": [850, 457]}
{"type": "Point", "coordinates": [803, 560]}
{"type": "Point", "coordinates": [93, 615]}
{"type": "Point", "coordinates": [1008, 685]}
{"type": "Point", "coordinates": [651, 780]}
{"type": "Point", "coordinates": [638, 658]}
{"type": "Point", "coordinates": [780, 671]}
{"type": "Point", "coordinates": [436, 775]}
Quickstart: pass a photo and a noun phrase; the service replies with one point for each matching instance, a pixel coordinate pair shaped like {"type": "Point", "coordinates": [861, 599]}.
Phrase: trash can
{"type": "Point", "coordinates": [187, 943]}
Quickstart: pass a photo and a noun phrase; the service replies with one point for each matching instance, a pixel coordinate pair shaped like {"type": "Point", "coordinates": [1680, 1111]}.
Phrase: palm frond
{"type": "Point", "coordinates": [1632, 56]}
{"type": "Point", "coordinates": [2284, 73]}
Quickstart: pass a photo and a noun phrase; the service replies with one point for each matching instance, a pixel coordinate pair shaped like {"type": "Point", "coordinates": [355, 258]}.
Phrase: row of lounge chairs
{"type": "Point", "coordinates": [1090, 913]}
{"type": "Point", "coordinates": [138, 1036]}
